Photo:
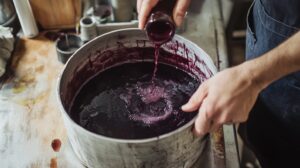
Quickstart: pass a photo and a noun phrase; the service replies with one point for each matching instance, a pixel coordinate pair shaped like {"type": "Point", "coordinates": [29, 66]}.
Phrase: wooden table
{"type": "Point", "coordinates": [29, 115]}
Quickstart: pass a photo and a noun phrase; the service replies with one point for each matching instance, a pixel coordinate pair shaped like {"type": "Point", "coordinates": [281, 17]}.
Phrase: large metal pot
{"type": "Point", "coordinates": [179, 148]}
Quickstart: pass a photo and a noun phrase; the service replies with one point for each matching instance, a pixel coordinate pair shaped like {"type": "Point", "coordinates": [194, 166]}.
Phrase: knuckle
{"type": "Point", "coordinates": [193, 100]}
{"type": "Point", "coordinates": [210, 110]}
{"type": "Point", "coordinates": [209, 114]}
{"type": "Point", "coordinates": [208, 105]}
{"type": "Point", "coordinates": [180, 12]}
{"type": "Point", "coordinates": [222, 120]}
{"type": "Point", "coordinates": [244, 119]}
{"type": "Point", "coordinates": [225, 118]}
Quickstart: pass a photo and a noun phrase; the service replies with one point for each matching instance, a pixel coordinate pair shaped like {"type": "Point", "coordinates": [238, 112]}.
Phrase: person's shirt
{"type": "Point", "coordinates": [286, 11]}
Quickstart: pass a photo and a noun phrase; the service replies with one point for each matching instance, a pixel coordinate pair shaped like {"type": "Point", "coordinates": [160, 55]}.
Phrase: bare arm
{"type": "Point", "coordinates": [229, 96]}
{"type": "Point", "coordinates": [277, 63]}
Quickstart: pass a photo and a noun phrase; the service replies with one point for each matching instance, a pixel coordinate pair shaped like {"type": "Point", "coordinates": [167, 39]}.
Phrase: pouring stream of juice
{"type": "Point", "coordinates": [159, 32]}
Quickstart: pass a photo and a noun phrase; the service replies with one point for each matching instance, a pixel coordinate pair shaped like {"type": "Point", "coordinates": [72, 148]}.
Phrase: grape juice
{"type": "Point", "coordinates": [126, 102]}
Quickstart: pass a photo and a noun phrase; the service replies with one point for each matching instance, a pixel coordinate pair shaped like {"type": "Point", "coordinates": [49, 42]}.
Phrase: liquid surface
{"type": "Point", "coordinates": [126, 102]}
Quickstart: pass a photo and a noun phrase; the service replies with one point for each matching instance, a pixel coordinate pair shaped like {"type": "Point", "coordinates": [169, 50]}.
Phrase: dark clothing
{"type": "Point", "coordinates": [273, 128]}
{"type": "Point", "coordinates": [285, 11]}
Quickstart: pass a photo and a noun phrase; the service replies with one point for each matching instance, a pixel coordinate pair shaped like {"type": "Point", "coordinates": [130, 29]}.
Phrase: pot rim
{"type": "Point", "coordinates": [118, 140]}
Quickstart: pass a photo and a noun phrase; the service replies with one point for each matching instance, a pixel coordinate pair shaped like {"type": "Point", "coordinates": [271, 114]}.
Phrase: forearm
{"type": "Point", "coordinates": [275, 64]}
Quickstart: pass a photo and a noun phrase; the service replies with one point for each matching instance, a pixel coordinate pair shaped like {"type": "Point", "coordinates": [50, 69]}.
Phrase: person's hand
{"type": "Point", "coordinates": [226, 98]}
{"type": "Point", "coordinates": [144, 8]}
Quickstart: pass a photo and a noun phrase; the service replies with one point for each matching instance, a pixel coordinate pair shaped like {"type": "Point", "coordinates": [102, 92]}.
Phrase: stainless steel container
{"type": "Point", "coordinates": [179, 148]}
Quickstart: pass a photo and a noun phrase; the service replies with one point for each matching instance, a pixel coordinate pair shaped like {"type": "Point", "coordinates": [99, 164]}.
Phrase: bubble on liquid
{"type": "Point", "coordinates": [152, 102]}
{"type": "Point", "coordinates": [151, 93]}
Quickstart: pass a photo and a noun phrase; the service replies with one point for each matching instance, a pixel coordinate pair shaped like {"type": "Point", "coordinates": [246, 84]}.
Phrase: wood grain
{"type": "Point", "coordinates": [52, 14]}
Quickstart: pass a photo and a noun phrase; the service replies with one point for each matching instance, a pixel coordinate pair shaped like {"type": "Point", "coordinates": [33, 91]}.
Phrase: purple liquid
{"type": "Point", "coordinates": [156, 54]}
{"type": "Point", "coordinates": [160, 31]}
{"type": "Point", "coordinates": [123, 102]}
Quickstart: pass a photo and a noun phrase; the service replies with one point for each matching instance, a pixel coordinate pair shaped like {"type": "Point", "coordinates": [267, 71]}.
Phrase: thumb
{"type": "Point", "coordinates": [144, 11]}
{"type": "Point", "coordinates": [195, 101]}
{"type": "Point", "coordinates": [180, 11]}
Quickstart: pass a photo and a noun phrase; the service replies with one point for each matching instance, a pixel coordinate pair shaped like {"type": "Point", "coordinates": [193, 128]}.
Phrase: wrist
{"type": "Point", "coordinates": [255, 74]}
